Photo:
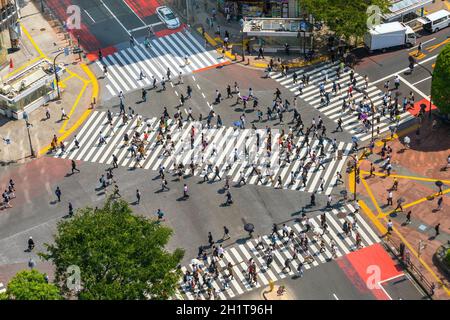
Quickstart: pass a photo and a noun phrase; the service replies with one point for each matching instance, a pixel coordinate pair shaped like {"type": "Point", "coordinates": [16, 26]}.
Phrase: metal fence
{"type": "Point", "coordinates": [398, 249]}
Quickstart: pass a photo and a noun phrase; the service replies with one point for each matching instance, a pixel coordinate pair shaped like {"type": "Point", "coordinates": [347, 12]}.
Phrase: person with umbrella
{"type": "Point", "coordinates": [250, 228]}
{"type": "Point", "coordinates": [399, 204]}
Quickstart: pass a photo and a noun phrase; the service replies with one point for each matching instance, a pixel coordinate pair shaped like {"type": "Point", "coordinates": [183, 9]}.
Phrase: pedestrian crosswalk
{"type": "Point", "coordinates": [317, 252]}
{"type": "Point", "coordinates": [169, 52]}
{"type": "Point", "coordinates": [328, 73]}
{"type": "Point", "coordinates": [236, 152]}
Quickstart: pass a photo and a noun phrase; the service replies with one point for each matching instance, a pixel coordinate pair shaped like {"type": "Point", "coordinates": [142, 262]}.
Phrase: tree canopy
{"type": "Point", "coordinates": [344, 18]}
{"type": "Point", "coordinates": [440, 88]}
{"type": "Point", "coordinates": [120, 255]}
{"type": "Point", "coordinates": [30, 285]}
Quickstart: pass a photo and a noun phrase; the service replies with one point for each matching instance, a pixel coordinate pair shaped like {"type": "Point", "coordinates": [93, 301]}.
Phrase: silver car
{"type": "Point", "coordinates": [168, 17]}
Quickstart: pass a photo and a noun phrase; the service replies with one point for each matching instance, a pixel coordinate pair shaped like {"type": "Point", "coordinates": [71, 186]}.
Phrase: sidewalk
{"type": "Point", "coordinates": [234, 50]}
{"type": "Point", "coordinates": [78, 86]}
{"type": "Point", "coordinates": [417, 170]}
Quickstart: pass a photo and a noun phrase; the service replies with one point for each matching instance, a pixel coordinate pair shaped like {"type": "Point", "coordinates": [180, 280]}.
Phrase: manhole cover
{"type": "Point", "coordinates": [42, 29]}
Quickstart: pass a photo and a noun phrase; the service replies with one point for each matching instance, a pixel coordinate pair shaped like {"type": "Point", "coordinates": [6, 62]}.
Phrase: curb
{"type": "Point", "coordinates": [235, 58]}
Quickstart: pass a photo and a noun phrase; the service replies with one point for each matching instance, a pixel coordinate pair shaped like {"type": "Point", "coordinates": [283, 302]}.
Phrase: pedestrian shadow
{"type": "Point", "coordinates": [432, 238]}
{"type": "Point", "coordinates": [242, 240]}
{"type": "Point", "coordinates": [68, 174]}
{"type": "Point", "coordinates": [134, 203]}
{"type": "Point", "coordinates": [221, 191]}
{"type": "Point", "coordinates": [101, 193]}
{"type": "Point", "coordinates": [53, 202]}
{"type": "Point", "coordinates": [183, 198]}
{"type": "Point", "coordinates": [223, 205]}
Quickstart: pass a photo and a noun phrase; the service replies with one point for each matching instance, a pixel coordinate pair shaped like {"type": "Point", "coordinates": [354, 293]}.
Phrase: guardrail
{"type": "Point", "coordinates": [398, 249]}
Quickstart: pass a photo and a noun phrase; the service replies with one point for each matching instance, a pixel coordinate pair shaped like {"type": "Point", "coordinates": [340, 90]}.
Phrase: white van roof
{"type": "Point", "coordinates": [437, 15]}
{"type": "Point", "coordinates": [387, 27]}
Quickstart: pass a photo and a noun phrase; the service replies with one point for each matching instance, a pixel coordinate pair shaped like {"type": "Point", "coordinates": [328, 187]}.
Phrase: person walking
{"type": "Point", "coordinates": [439, 203]}
{"type": "Point", "coordinates": [389, 199]}
{"type": "Point", "coordinates": [138, 196]}
{"type": "Point", "coordinates": [390, 226]}
{"type": "Point", "coordinates": [115, 165]}
{"type": "Point", "coordinates": [74, 166]}
{"type": "Point", "coordinates": [408, 217]}
{"type": "Point", "coordinates": [144, 95]}
{"type": "Point", "coordinates": [226, 233]}
{"type": "Point", "coordinates": [210, 239]}
{"type": "Point", "coordinates": [164, 185]}
{"type": "Point", "coordinates": [30, 243]}
{"type": "Point", "coordinates": [63, 114]}
{"type": "Point", "coordinates": [70, 209]}
{"type": "Point", "coordinates": [300, 269]}
{"type": "Point", "coordinates": [436, 229]}
{"type": "Point", "coordinates": [185, 191]}
{"type": "Point", "coordinates": [58, 193]}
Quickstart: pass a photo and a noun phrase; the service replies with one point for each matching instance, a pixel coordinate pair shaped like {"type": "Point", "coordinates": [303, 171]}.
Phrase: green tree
{"type": "Point", "coordinates": [440, 89]}
{"type": "Point", "coordinates": [30, 285]}
{"type": "Point", "coordinates": [120, 255]}
{"type": "Point", "coordinates": [344, 19]}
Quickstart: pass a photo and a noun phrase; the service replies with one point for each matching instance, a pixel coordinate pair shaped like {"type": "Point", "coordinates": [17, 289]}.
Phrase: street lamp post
{"type": "Point", "coordinates": [56, 74]}
{"type": "Point", "coordinates": [28, 125]}
{"type": "Point", "coordinates": [355, 168]}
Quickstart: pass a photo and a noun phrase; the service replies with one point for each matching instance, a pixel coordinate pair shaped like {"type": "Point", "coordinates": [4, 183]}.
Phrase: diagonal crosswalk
{"type": "Point", "coordinates": [236, 152]}
{"type": "Point", "coordinates": [328, 73]}
{"type": "Point", "coordinates": [238, 255]}
{"type": "Point", "coordinates": [125, 66]}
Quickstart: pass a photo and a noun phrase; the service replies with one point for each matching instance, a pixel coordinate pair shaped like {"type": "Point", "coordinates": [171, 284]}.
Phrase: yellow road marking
{"type": "Point", "coordinates": [75, 104]}
{"type": "Point", "coordinates": [372, 197]}
{"type": "Point", "coordinates": [93, 80]}
{"type": "Point", "coordinates": [411, 249]}
{"type": "Point", "coordinates": [23, 66]}
{"type": "Point", "coordinates": [380, 174]}
{"type": "Point", "coordinates": [67, 78]}
{"type": "Point", "coordinates": [372, 217]}
{"type": "Point", "coordinates": [74, 74]}
{"type": "Point", "coordinates": [208, 38]}
{"type": "Point", "coordinates": [383, 230]}
{"type": "Point", "coordinates": [36, 47]}
{"type": "Point", "coordinates": [406, 206]}
{"type": "Point", "coordinates": [416, 55]}
{"type": "Point", "coordinates": [68, 132]}
{"type": "Point", "coordinates": [435, 46]}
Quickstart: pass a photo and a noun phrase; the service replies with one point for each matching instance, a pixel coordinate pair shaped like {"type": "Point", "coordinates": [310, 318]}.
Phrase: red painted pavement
{"type": "Point", "coordinates": [415, 110]}
{"type": "Point", "coordinates": [93, 56]}
{"type": "Point", "coordinates": [358, 268]}
{"type": "Point", "coordinates": [31, 178]}
{"type": "Point", "coordinates": [143, 8]}
{"type": "Point", "coordinates": [88, 41]}
{"type": "Point", "coordinates": [167, 32]}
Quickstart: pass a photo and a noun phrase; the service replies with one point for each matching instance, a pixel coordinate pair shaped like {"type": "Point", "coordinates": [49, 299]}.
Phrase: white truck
{"type": "Point", "coordinates": [388, 35]}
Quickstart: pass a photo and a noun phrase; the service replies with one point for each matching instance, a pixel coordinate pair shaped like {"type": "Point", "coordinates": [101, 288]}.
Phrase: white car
{"type": "Point", "coordinates": [168, 17]}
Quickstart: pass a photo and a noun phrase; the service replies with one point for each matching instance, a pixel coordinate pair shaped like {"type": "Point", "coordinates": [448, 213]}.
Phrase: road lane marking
{"type": "Point", "coordinates": [134, 13]}
{"type": "Point", "coordinates": [425, 79]}
{"type": "Point", "coordinates": [335, 296]}
{"type": "Point", "coordinates": [114, 16]}
{"type": "Point", "coordinates": [414, 88]}
{"type": "Point", "coordinates": [89, 16]}
{"type": "Point", "coordinates": [146, 26]}
{"type": "Point", "coordinates": [400, 71]}
{"type": "Point", "coordinates": [422, 44]}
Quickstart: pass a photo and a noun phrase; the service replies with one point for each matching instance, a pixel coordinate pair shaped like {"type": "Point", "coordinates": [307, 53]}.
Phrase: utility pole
{"type": "Point", "coordinates": [56, 74]}
{"type": "Point", "coordinates": [28, 125]}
